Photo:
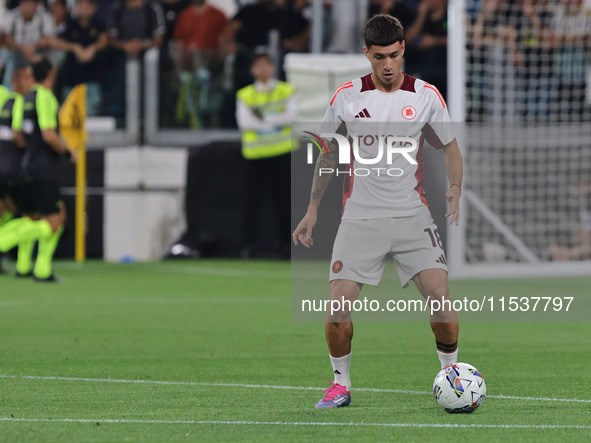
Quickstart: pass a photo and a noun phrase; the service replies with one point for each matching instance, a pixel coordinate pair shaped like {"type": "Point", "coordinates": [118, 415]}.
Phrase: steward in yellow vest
{"type": "Point", "coordinates": [264, 112]}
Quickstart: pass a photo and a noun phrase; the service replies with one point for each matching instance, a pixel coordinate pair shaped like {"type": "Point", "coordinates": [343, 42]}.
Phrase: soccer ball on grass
{"type": "Point", "coordinates": [459, 388]}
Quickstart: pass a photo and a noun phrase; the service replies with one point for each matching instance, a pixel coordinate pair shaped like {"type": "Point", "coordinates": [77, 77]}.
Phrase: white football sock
{"type": "Point", "coordinates": [447, 359]}
{"type": "Point", "coordinates": [340, 368]}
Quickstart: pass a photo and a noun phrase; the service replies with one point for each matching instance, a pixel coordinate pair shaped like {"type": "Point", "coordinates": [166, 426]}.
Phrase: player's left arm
{"type": "Point", "coordinates": [454, 168]}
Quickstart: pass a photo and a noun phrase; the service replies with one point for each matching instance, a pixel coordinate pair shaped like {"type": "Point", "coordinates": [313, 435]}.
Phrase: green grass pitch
{"type": "Point", "coordinates": [207, 351]}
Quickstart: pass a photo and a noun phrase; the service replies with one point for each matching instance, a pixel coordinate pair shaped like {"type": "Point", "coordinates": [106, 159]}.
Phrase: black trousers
{"type": "Point", "coordinates": [274, 174]}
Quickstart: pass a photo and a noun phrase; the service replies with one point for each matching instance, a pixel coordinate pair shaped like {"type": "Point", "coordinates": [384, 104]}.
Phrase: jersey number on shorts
{"type": "Point", "coordinates": [435, 238]}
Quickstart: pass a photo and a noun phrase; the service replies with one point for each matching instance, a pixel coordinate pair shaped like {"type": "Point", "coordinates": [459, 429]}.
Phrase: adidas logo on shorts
{"type": "Point", "coordinates": [441, 260]}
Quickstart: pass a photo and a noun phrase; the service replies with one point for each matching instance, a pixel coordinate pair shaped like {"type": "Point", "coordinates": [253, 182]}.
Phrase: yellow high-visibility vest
{"type": "Point", "coordinates": [262, 144]}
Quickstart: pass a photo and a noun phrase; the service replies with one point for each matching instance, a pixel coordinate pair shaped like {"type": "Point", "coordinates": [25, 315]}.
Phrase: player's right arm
{"type": "Point", "coordinates": [320, 182]}
{"type": "Point", "coordinates": [332, 122]}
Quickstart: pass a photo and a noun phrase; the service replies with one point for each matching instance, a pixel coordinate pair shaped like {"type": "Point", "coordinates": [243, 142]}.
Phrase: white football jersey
{"type": "Point", "coordinates": [386, 130]}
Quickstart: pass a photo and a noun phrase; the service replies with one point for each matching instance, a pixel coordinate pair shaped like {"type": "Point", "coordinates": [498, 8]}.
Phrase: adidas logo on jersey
{"type": "Point", "coordinates": [441, 260]}
{"type": "Point", "coordinates": [363, 114]}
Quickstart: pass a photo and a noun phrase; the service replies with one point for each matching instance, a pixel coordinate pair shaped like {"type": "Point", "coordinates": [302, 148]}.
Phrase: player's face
{"type": "Point", "coordinates": [386, 62]}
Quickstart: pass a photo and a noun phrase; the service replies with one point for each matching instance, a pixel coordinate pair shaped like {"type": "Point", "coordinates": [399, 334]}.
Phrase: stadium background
{"type": "Point", "coordinates": [162, 343]}
{"type": "Point", "coordinates": [142, 105]}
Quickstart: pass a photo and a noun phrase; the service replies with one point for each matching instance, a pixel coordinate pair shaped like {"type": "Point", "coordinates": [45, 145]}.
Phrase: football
{"type": "Point", "coordinates": [459, 388]}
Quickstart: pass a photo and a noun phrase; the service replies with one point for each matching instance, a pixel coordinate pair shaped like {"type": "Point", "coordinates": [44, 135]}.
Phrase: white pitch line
{"type": "Point", "coordinates": [257, 386]}
{"type": "Point", "coordinates": [223, 272]}
{"type": "Point", "coordinates": [291, 423]}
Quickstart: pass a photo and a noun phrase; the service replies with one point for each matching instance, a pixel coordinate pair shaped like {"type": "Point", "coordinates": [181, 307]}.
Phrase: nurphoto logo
{"type": "Point", "coordinates": [384, 148]}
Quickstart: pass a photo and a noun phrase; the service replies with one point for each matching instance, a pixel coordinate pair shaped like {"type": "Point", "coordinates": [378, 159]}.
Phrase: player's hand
{"type": "Point", "coordinates": [453, 198]}
{"type": "Point", "coordinates": [303, 233]}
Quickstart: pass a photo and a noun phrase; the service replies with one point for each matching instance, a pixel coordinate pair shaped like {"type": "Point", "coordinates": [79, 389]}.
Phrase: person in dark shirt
{"type": "Point", "coordinates": [395, 8]}
{"type": "Point", "coordinates": [427, 35]}
{"type": "Point", "coordinates": [44, 149]}
{"type": "Point", "coordinates": [294, 30]}
{"type": "Point", "coordinates": [136, 25]}
{"type": "Point", "coordinates": [60, 14]}
{"type": "Point", "coordinates": [250, 29]}
{"type": "Point", "coordinates": [293, 27]}
{"type": "Point", "coordinates": [83, 38]}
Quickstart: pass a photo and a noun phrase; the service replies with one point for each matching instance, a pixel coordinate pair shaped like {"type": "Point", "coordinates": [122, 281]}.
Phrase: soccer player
{"type": "Point", "coordinates": [44, 148]}
{"type": "Point", "coordinates": [385, 215]}
{"type": "Point", "coordinates": [12, 151]}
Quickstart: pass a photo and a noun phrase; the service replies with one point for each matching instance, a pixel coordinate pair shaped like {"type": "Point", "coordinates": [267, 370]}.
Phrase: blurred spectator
{"type": "Point", "coordinates": [250, 29]}
{"type": "Point", "coordinates": [83, 38]}
{"type": "Point", "coordinates": [496, 56]}
{"type": "Point", "coordinates": [136, 25]}
{"type": "Point", "coordinates": [197, 35]}
{"type": "Point", "coordinates": [59, 12]}
{"type": "Point", "coordinates": [573, 38]}
{"type": "Point", "coordinates": [171, 10]}
{"type": "Point", "coordinates": [168, 70]}
{"type": "Point", "coordinates": [28, 30]}
{"type": "Point", "coordinates": [294, 27]}
{"type": "Point", "coordinates": [535, 65]}
{"type": "Point", "coordinates": [580, 244]}
{"type": "Point", "coordinates": [199, 27]}
{"type": "Point", "coordinates": [265, 112]}
{"type": "Point", "coordinates": [396, 8]}
{"type": "Point", "coordinates": [252, 23]}
{"type": "Point", "coordinates": [428, 37]}
{"type": "Point", "coordinates": [104, 11]}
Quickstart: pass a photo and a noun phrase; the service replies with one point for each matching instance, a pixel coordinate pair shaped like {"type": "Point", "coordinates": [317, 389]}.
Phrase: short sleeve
{"type": "Point", "coordinates": [439, 119]}
{"type": "Point", "coordinates": [333, 117]}
{"type": "Point", "coordinates": [48, 25]}
{"type": "Point", "coordinates": [7, 23]}
{"type": "Point", "coordinates": [47, 108]}
{"type": "Point", "coordinates": [17, 113]}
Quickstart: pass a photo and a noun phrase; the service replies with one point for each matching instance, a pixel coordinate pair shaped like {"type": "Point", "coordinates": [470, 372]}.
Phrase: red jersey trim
{"type": "Point", "coordinates": [339, 89]}
{"type": "Point", "coordinates": [367, 83]}
{"type": "Point", "coordinates": [433, 88]}
{"type": "Point", "coordinates": [420, 174]}
{"type": "Point", "coordinates": [348, 181]}
{"type": "Point", "coordinates": [408, 84]}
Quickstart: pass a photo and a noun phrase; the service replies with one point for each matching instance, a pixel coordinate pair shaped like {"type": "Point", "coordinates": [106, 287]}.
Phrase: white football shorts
{"type": "Point", "coordinates": [362, 247]}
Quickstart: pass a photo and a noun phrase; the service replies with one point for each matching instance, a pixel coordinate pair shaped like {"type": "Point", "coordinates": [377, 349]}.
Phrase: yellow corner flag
{"type": "Point", "coordinates": [72, 118]}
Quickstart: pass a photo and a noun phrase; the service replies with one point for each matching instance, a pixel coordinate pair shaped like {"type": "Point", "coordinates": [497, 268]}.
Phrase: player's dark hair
{"type": "Point", "coordinates": [383, 30]}
{"type": "Point", "coordinates": [41, 69]}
